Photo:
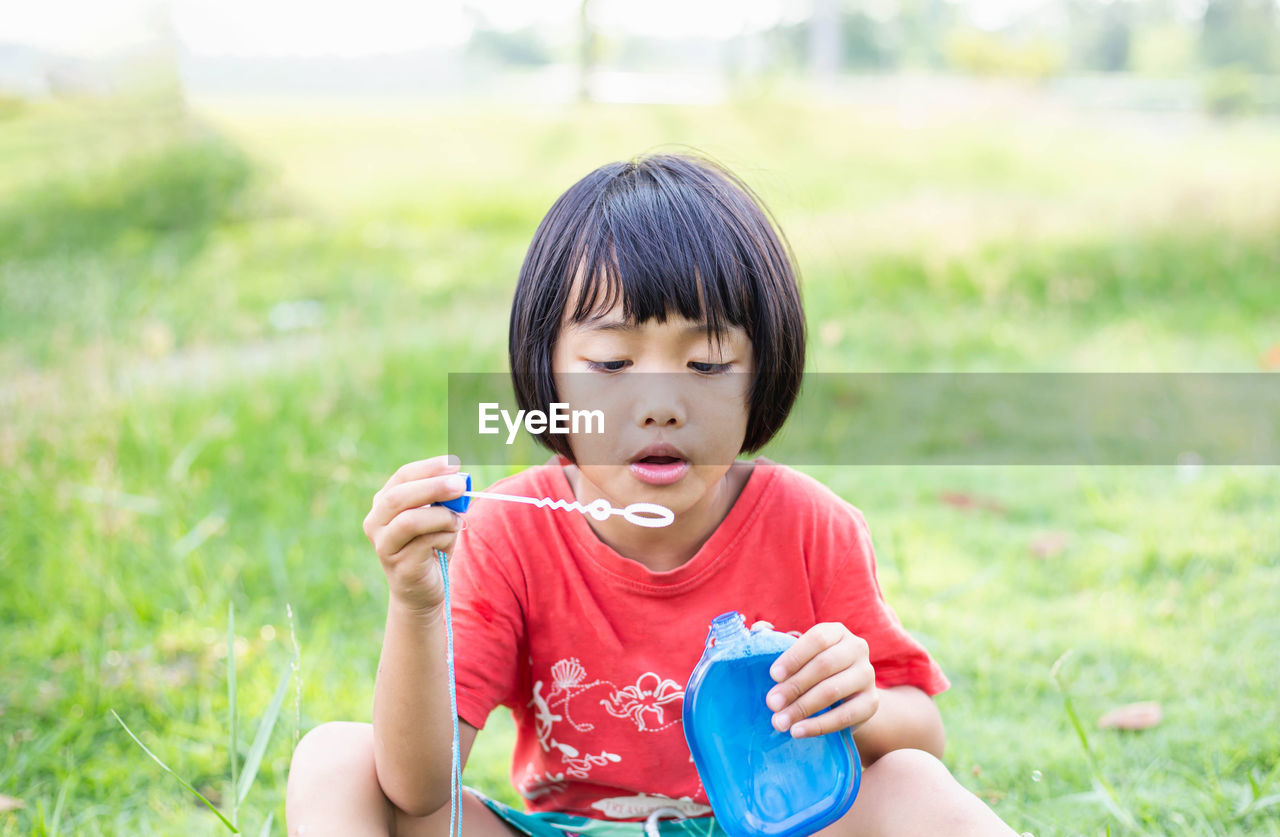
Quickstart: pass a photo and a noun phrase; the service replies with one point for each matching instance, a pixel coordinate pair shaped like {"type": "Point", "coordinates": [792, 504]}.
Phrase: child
{"type": "Point", "coordinates": [587, 630]}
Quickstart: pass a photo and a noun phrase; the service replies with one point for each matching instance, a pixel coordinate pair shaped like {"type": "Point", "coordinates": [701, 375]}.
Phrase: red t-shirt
{"type": "Point", "coordinates": [591, 651]}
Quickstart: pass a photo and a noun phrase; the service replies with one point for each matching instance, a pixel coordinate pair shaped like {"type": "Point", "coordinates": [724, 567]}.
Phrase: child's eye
{"type": "Point", "coordinates": [607, 365]}
{"type": "Point", "coordinates": [709, 368]}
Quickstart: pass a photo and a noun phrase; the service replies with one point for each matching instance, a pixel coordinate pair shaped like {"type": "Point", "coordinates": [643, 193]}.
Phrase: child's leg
{"type": "Point", "coordinates": [333, 790]}
{"type": "Point", "coordinates": [911, 792]}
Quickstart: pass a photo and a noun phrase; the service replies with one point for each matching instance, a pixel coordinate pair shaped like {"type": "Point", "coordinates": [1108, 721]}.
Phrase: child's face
{"type": "Point", "coordinates": [657, 384]}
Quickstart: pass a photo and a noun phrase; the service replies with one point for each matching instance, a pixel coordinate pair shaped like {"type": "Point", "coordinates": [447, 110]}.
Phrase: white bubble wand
{"type": "Point", "coordinates": [648, 515]}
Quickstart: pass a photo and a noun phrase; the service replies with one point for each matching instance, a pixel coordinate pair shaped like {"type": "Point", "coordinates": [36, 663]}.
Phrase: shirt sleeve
{"type": "Point", "coordinates": [488, 626]}
{"type": "Point", "coordinates": [846, 590]}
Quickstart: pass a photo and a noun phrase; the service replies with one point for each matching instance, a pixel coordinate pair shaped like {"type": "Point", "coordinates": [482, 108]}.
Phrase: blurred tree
{"type": "Point", "coordinates": [1153, 37]}
{"type": "Point", "coordinates": [586, 50]}
{"type": "Point", "coordinates": [1165, 50]}
{"type": "Point", "coordinates": [921, 28]}
{"type": "Point", "coordinates": [866, 42]}
{"type": "Point", "coordinates": [1164, 38]}
{"type": "Point", "coordinates": [825, 47]}
{"type": "Point", "coordinates": [1115, 36]}
{"type": "Point", "coordinates": [984, 53]}
{"type": "Point", "coordinates": [519, 47]}
{"type": "Point", "coordinates": [1229, 92]}
{"type": "Point", "coordinates": [1101, 34]}
{"type": "Point", "coordinates": [785, 44]}
{"type": "Point", "coordinates": [1241, 32]}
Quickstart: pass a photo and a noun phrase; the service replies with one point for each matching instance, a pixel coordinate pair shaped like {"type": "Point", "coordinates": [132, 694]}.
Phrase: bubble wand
{"type": "Point", "coordinates": [649, 515]}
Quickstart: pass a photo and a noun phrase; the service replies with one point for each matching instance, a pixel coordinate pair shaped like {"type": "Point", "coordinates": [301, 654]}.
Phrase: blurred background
{"type": "Point", "coordinates": [242, 245]}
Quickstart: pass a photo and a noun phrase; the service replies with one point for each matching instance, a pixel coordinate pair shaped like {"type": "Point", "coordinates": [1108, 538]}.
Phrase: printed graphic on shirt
{"type": "Point", "coordinates": [567, 678]}
{"type": "Point", "coordinates": [543, 720]}
{"type": "Point", "coordinates": [579, 767]}
{"type": "Point", "coordinates": [534, 785]}
{"type": "Point", "coordinates": [652, 704]}
{"type": "Point", "coordinates": [650, 694]}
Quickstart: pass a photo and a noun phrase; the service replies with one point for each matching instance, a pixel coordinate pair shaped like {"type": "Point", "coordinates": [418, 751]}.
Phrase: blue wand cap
{"type": "Point", "coordinates": [460, 504]}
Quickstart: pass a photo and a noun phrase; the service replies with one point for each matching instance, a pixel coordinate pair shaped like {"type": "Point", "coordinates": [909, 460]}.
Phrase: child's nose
{"type": "Point", "coordinates": [658, 404]}
{"type": "Point", "coordinates": [662, 418]}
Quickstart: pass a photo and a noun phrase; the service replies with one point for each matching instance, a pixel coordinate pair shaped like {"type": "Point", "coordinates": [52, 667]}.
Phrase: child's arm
{"type": "Point", "coordinates": [829, 663]}
{"type": "Point", "coordinates": [412, 722]}
{"type": "Point", "coordinates": [906, 717]}
{"type": "Point", "coordinates": [412, 726]}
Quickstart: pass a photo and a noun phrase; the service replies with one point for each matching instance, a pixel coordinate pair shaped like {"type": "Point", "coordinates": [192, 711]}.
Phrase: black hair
{"type": "Point", "coordinates": [666, 233]}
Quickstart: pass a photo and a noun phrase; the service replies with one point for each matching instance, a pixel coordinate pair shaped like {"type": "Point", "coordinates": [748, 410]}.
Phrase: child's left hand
{"type": "Point", "coordinates": [827, 663]}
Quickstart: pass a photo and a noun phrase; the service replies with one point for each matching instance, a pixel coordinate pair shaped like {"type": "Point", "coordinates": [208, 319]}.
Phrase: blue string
{"type": "Point", "coordinates": [455, 773]}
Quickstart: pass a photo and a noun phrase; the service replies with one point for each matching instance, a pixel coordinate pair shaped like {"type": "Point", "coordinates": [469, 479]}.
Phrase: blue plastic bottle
{"type": "Point", "coordinates": [760, 782]}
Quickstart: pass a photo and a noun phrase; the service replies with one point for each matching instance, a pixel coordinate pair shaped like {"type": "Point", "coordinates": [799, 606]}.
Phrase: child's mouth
{"type": "Point", "coordinates": [659, 470]}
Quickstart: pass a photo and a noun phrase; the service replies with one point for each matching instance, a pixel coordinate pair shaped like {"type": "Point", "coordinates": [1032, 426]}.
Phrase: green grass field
{"type": "Point", "coordinates": [223, 326]}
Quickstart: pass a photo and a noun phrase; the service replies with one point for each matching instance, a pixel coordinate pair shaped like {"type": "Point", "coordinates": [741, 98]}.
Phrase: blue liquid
{"type": "Point", "coordinates": [761, 782]}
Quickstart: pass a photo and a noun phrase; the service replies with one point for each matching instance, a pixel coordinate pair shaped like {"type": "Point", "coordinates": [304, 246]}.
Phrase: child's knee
{"type": "Point", "coordinates": [915, 774]}
{"type": "Point", "coordinates": [333, 783]}
{"type": "Point", "coordinates": [919, 795]}
{"type": "Point", "coordinates": [912, 765]}
{"type": "Point", "coordinates": [337, 747]}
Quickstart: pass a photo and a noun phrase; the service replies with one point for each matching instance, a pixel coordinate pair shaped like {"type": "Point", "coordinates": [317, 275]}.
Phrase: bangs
{"type": "Point", "coordinates": [663, 247]}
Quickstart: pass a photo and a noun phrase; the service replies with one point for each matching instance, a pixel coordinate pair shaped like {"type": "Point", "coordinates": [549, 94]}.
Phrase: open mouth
{"type": "Point", "coordinates": [659, 469]}
{"type": "Point", "coordinates": [661, 460]}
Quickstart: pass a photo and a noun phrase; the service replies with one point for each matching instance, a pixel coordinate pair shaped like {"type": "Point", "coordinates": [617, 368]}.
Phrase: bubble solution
{"type": "Point", "coordinates": [760, 782]}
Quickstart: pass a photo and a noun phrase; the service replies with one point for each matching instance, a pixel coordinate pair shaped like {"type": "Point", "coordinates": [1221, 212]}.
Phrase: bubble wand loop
{"type": "Point", "coordinates": [648, 515]}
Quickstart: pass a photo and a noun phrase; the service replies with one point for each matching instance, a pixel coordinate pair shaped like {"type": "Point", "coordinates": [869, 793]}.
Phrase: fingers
{"type": "Point", "coordinates": [812, 643]}
{"type": "Point", "coordinates": [857, 710]}
{"type": "Point", "coordinates": [851, 684]}
{"type": "Point", "coordinates": [824, 666]}
{"type": "Point", "coordinates": [413, 574]}
{"type": "Point", "coordinates": [415, 523]}
{"type": "Point", "coordinates": [823, 650]}
{"type": "Point", "coordinates": [424, 547]}
{"type": "Point", "coordinates": [443, 464]}
{"type": "Point", "coordinates": [423, 491]}
{"type": "Point", "coordinates": [406, 529]}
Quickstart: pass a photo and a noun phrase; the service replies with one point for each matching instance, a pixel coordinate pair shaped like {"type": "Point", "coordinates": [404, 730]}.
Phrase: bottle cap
{"type": "Point", "coordinates": [461, 503]}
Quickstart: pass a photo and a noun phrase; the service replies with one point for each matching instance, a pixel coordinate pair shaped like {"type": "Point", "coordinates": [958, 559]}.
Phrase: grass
{"type": "Point", "coordinates": [174, 443]}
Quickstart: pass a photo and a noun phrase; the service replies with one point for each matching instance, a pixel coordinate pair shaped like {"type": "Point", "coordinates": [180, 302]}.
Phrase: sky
{"type": "Point", "coordinates": [362, 27]}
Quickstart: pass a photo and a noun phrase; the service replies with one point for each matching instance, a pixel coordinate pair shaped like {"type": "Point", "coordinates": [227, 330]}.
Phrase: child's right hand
{"type": "Point", "coordinates": [406, 530]}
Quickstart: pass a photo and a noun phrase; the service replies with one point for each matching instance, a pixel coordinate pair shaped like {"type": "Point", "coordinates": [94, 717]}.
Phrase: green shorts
{"type": "Point", "coordinates": [555, 824]}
